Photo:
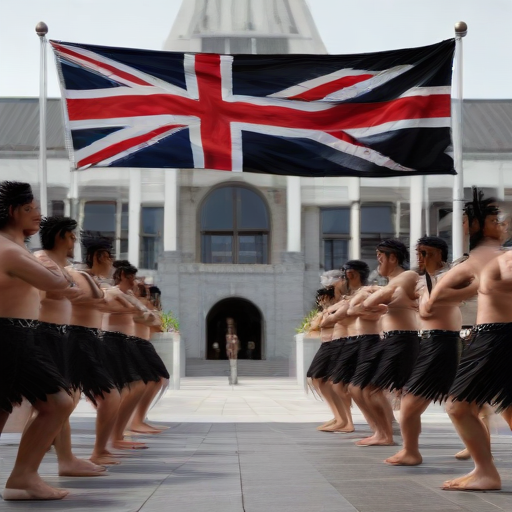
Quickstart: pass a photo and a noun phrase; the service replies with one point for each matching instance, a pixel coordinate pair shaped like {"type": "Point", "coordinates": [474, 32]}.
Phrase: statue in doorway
{"type": "Point", "coordinates": [232, 348]}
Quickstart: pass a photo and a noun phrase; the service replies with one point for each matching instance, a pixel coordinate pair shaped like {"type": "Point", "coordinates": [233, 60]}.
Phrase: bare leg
{"type": "Point", "coordinates": [485, 412]}
{"type": "Point", "coordinates": [341, 396]}
{"type": "Point", "coordinates": [473, 433]}
{"type": "Point", "coordinates": [411, 409]}
{"type": "Point", "coordinates": [138, 423]}
{"type": "Point", "coordinates": [334, 402]}
{"type": "Point", "coordinates": [381, 413]}
{"type": "Point", "coordinates": [129, 400]}
{"type": "Point", "coordinates": [357, 394]}
{"type": "Point", "coordinates": [106, 414]}
{"type": "Point", "coordinates": [24, 481]}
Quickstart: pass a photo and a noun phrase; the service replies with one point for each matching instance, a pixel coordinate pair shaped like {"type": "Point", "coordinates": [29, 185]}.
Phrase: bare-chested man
{"type": "Point", "coordinates": [143, 324]}
{"type": "Point", "coordinates": [399, 347]}
{"type": "Point", "coordinates": [438, 359]}
{"type": "Point", "coordinates": [78, 365]}
{"type": "Point", "coordinates": [323, 360]}
{"type": "Point", "coordinates": [356, 275]}
{"type": "Point", "coordinates": [26, 371]}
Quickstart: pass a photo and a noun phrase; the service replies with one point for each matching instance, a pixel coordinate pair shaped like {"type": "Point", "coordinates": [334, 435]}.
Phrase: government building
{"type": "Point", "coordinates": [247, 246]}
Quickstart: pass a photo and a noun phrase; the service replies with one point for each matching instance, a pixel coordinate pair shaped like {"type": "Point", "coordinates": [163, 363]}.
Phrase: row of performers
{"type": "Point", "coordinates": [67, 331]}
{"type": "Point", "coordinates": [405, 338]}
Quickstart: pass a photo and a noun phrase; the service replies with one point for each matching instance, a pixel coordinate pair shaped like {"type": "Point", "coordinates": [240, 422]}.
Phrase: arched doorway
{"type": "Point", "coordinates": [249, 327]}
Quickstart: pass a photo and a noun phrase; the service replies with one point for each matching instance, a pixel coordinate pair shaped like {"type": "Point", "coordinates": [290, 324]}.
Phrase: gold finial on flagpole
{"type": "Point", "coordinates": [41, 29]}
{"type": "Point", "coordinates": [461, 28]}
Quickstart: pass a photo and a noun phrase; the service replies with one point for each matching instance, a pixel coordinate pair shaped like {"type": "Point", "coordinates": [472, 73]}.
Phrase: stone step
{"type": "Point", "coordinates": [246, 368]}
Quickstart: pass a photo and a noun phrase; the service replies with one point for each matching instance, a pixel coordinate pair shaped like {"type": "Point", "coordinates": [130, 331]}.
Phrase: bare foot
{"type": "Point", "coordinates": [475, 481]}
{"type": "Point", "coordinates": [144, 428]}
{"type": "Point", "coordinates": [80, 467]}
{"type": "Point", "coordinates": [104, 460]}
{"type": "Point", "coordinates": [375, 441]}
{"type": "Point", "coordinates": [333, 427]}
{"type": "Point", "coordinates": [463, 455]}
{"type": "Point", "coordinates": [327, 424]}
{"type": "Point", "coordinates": [30, 488]}
{"type": "Point", "coordinates": [128, 445]}
{"type": "Point", "coordinates": [405, 458]}
{"type": "Point", "coordinates": [158, 427]}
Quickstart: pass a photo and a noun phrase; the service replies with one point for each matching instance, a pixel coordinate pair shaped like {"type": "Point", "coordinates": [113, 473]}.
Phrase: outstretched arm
{"type": "Point", "coordinates": [457, 285]}
{"type": "Point", "coordinates": [334, 317]}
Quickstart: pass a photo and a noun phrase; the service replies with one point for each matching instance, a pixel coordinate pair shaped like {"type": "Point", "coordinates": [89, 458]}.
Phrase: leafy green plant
{"type": "Point", "coordinates": [169, 322]}
{"type": "Point", "coordinates": [306, 321]}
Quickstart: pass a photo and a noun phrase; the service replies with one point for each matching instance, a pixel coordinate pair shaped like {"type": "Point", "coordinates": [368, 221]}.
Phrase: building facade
{"type": "Point", "coordinates": [248, 246]}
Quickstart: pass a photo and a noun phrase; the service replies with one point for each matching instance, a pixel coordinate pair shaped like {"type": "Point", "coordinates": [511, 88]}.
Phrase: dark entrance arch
{"type": "Point", "coordinates": [249, 327]}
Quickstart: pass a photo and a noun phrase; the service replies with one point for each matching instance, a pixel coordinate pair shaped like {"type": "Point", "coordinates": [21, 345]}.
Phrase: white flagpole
{"type": "Point", "coordinates": [461, 29]}
{"type": "Point", "coordinates": [41, 31]}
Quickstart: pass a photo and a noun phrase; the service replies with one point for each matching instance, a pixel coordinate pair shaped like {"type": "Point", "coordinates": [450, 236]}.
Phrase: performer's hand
{"type": "Point", "coordinates": [425, 308]}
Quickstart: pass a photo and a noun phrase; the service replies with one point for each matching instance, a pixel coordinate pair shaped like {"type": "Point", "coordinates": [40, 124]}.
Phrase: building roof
{"type": "Point", "coordinates": [487, 125]}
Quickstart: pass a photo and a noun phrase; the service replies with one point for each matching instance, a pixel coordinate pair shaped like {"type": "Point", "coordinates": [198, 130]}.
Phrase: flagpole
{"type": "Point", "coordinates": [461, 29]}
{"type": "Point", "coordinates": [41, 31]}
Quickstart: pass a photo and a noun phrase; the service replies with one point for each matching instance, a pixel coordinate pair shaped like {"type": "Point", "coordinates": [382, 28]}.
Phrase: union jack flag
{"type": "Point", "coordinates": [370, 115]}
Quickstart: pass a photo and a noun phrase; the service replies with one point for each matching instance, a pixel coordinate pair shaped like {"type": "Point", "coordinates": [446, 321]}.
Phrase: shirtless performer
{"type": "Point", "coordinates": [438, 359]}
{"type": "Point", "coordinates": [356, 275]}
{"type": "Point", "coordinates": [119, 330]}
{"type": "Point", "coordinates": [143, 324]}
{"type": "Point", "coordinates": [323, 361]}
{"type": "Point", "coordinates": [399, 347]}
{"type": "Point", "coordinates": [78, 363]}
{"type": "Point", "coordinates": [26, 371]}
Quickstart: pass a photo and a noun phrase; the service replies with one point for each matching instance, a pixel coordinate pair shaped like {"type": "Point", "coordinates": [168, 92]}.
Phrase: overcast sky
{"type": "Point", "coordinates": [345, 27]}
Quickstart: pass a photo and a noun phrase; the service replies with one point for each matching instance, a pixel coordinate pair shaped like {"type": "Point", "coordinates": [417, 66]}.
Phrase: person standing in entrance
{"type": "Point", "coordinates": [232, 348]}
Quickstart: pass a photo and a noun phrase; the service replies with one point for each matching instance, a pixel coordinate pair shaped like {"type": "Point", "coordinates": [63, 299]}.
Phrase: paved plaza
{"type": "Point", "coordinates": [253, 448]}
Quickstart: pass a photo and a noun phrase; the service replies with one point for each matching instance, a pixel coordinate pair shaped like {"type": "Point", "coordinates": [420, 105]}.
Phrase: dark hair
{"type": "Point", "coordinates": [13, 194]}
{"type": "Point", "coordinates": [329, 292]}
{"type": "Point", "coordinates": [396, 247]}
{"type": "Point", "coordinates": [123, 267]}
{"type": "Point", "coordinates": [436, 243]}
{"type": "Point", "coordinates": [360, 267]}
{"type": "Point", "coordinates": [479, 209]}
{"type": "Point", "coordinates": [53, 226]}
{"type": "Point", "coordinates": [142, 290]}
{"type": "Point", "coordinates": [93, 244]}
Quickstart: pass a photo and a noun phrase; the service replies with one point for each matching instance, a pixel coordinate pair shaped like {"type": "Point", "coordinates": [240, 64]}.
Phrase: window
{"type": "Point", "coordinates": [152, 227]}
{"type": "Point", "coordinates": [58, 208]}
{"type": "Point", "coordinates": [100, 219]}
{"type": "Point", "coordinates": [335, 236]}
{"type": "Point", "coordinates": [234, 227]}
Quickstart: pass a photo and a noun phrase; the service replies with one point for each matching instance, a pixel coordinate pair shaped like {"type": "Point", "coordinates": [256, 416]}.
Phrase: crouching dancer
{"type": "Point", "coordinates": [26, 371]}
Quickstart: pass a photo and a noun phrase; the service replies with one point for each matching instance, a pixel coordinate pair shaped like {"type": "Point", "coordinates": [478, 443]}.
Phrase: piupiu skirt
{"type": "Point", "coordinates": [400, 350]}
{"type": "Point", "coordinates": [26, 370]}
{"type": "Point", "coordinates": [88, 367]}
{"type": "Point", "coordinates": [484, 373]}
{"type": "Point", "coordinates": [436, 366]}
{"type": "Point", "coordinates": [336, 350]}
{"type": "Point", "coordinates": [53, 340]}
{"type": "Point", "coordinates": [347, 360]}
{"type": "Point", "coordinates": [152, 368]}
{"type": "Point", "coordinates": [320, 364]}
{"type": "Point", "coordinates": [121, 358]}
{"type": "Point", "coordinates": [368, 359]}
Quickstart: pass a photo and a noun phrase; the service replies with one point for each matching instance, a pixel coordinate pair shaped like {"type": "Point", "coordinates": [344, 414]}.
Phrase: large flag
{"type": "Point", "coordinates": [370, 115]}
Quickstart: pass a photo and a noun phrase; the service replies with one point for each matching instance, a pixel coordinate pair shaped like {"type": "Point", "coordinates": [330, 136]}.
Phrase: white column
{"type": "Point", "coordinates": [398, 216]}
{"type": "Point", "coordinates": [171, 210]}
{"type": "Point", "coordinates": [355, 220]}
{"type": "Point", "coordinates": [134, 216]}
{"type": "Point", "coordinates": [293, 210]}
{"type": "Point", "coordinates": [415, 229]}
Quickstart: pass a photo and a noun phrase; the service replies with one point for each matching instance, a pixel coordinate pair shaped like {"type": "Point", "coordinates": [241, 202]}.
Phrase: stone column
{"type": "Point", "coordinates": [171, 210]}
{"type": "Point", "coordinates": [355, 219]}
{"type": "Point", "coordinates": [293, 210]}
{"type": "Point", "coordinates": [135, 198]}
{"type": "Point", "coordinates": [415, 229]}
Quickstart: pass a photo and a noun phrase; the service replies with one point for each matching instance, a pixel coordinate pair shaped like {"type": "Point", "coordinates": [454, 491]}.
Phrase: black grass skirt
{"type": "Point", "coordinates": [53, 340]}
{"type": "Point", "coordinates": [87, 362]}
{"type": "Point", "coordinates": [347, 361]}
{"type": "Point", "coordinates": [336, 350]}
{"type": "Point", "coordinates": [484, 374]}
{"type": "Point", "coordinates": [121, 358]}
{"type": "Point", "coordinates": [152, 368]}
{"type": "Point", "coordinates": [400, 350]}
{"type": "Point", "coordinates": [320, 364]}
{"type": "Point", "coordinates": [26, 370]}
{"type": "Point", "coordinates": [368, 358]}
{"type": "Point", "coordinates": [436, 366]}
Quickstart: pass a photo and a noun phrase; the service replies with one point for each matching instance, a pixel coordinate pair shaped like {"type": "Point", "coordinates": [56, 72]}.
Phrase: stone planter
{"type": "Point", "coordinates": [169, 347]}
{"type": "Point", "coordinates": [306, 348]}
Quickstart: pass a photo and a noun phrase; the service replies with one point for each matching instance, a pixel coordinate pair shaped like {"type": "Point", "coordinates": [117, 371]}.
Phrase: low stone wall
{"type": "Point", "coordinates": [305, 350]}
